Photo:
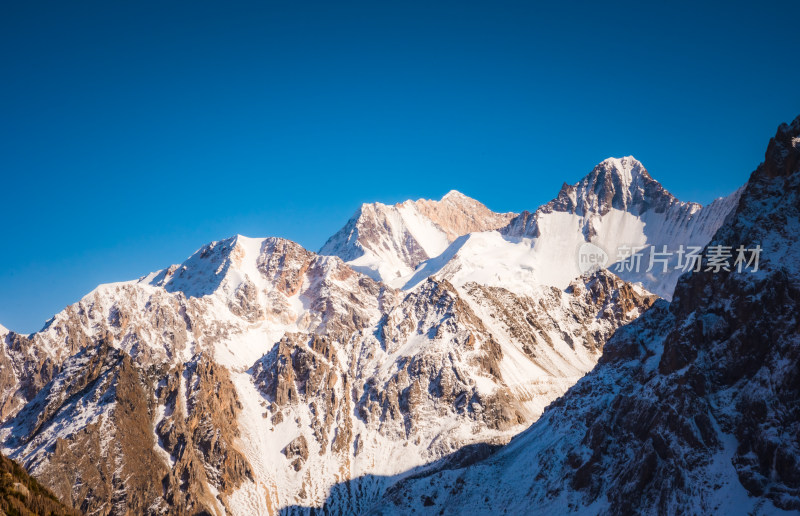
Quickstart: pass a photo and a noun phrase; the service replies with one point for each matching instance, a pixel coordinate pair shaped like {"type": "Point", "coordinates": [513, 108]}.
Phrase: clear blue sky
{"type": "Point", "coordinates": [131, 135]}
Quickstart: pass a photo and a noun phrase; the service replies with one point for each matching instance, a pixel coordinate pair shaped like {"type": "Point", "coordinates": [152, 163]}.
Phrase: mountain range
{"type": "Point", "coordinates": [437, 357]}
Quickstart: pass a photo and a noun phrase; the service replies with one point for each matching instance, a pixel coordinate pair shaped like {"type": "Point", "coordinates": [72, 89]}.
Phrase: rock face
{"type": "Point", "coordinates": [111, 434]}
{"type": "Point", "coordinates": [692, 408]}
{"type": "Point", "coordinates": [456, 214]}
{"type": "Point", "coordinates": [25, 367]}
{"type": "Point", "coordinates": [389, 242]}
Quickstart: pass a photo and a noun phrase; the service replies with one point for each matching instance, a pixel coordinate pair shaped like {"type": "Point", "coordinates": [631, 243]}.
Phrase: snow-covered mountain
{"type": "Point", "coordinates": [257, 374]}
{"type": "Point", "coordinates": [692, 408]}
{"type": "Point", "coordinates": [259, 377]}
{"type": "Point", "coordinates": [387, 242]}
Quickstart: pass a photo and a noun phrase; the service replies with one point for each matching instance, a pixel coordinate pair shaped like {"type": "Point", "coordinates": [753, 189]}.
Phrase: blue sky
{"type": "Point", "coordinates": [130, 135]}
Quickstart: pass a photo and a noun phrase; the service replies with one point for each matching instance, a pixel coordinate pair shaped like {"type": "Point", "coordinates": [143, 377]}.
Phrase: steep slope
{"type": "Point", "coordinates": [26, 366]}
{"type": "Point", "coordinates": [256, 375]}
{"type": "Point", "coordinates": [692, 408]}
{"type": "Point", "coordinates": [23, 495]}
{"type": "Point", "coordinates": [388, 242]}
{"type": "Point", "coordinates": [430, 378]}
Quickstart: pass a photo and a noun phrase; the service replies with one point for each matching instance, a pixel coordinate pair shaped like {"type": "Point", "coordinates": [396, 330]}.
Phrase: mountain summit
{"type": "Point", "coordinates": [616, 183]}
{"type": "Point", "coordinates": [387, 242]}
{"type": "Point", "coordinates": [618, 206]}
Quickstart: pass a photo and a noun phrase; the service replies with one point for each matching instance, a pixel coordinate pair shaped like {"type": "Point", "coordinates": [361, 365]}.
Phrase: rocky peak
{"type": "Point", "coordinates": [768, 211]}
{"type": "Point", "coordinates": [617, 206]}
{"type": "Point", "coordinates": [227, 263]}
{"type": "Point", "coordinates": [620, 183]}
{"type": "Point", "coordinates": [615, 183]}
{"type": "Point", "coordinates": [387, 242]}
{"type": "Point", "coordinates": [456, 214]}
{"type": "Point", "coordinates": [783, 151]}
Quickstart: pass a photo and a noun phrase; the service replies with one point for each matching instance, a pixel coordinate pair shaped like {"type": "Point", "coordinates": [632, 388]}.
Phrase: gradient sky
{"type": "Point", "coordinates": [130, 135]}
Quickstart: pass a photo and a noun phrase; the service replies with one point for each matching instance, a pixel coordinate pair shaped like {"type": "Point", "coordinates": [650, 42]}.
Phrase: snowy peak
{"type": "Point", "coordinates": [621, 184]}
{"type": "Point", "coordinates": [617, 206]}
{"type": "Point", "coordinates": [226, 264]}
{"type": "Point", "coordinates": [202, 273]}
{"type": "Point", "coordinates": [615, 183]}
{"type": "Point", "coordinates": [455, 196]}
{"type": "Point", "coordinates": [277, 281]}
{"type": "Point", "coordinates": [627, 168]}
{"type": "Point", "coordinates": [387, 242]}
